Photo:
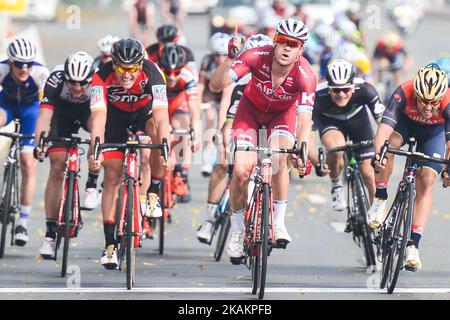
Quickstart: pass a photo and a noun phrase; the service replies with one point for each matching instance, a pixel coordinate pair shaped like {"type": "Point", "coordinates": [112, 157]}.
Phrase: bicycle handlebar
{"type": "Point", "coordinates": [15, 135]}
{"type": "Point", "coordinates": [351, 146]}
{"type": "Point", "coordinates": [131, 145]}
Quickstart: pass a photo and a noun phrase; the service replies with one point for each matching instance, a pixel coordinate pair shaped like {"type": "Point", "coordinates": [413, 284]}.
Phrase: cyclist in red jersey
{"type": "Point", "coordinates": [281, 90]}
{"type": "Point", "coordinates": [129, 90]}
{"type": "Point", "coordinates": [184, 112]}
{"type": "Point", "coordinates": [418, 108]}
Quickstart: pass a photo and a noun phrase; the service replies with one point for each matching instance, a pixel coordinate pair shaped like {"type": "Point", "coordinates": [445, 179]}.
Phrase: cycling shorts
{"type": "Point", "coordinates": [430, 139]}
{"type": "Point", "coordinates": [27, 116]}
{"type": "Point", "coordinates": [249, 119]}
{"type": "Point", "coordinates": [358, 128]}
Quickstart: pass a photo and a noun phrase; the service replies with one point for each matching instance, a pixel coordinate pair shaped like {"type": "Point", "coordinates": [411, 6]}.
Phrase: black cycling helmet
{"type": "Point", "coordinates": [172, 57]}
{"type": "Point", "coordinates": [127, 51]}
{"type": "Point", "coordinates": [166, 33]}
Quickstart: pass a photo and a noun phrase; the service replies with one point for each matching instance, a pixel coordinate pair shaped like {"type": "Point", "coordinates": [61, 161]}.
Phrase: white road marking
{"type": "Point", "coordinates": [219, 290]}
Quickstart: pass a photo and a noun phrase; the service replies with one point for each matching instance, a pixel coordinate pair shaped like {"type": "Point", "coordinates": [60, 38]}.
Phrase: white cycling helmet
{"type": "Point", "coordinates": [431, 83]}
{"type": "Point", "coordinates": [255, 41]}
{"type": "Point", "coordinates": [340, 72]}
{"type": "Point", "coordinates": [105, 43]}
{"type": "Point", "coordinates": [22, 50]}
{"type": "Point", "coordinates": [219, 43]}
{"type": "Point", "coordinates": [79, 67]}
{"type": "Point", "coordinates": [347, 50]}
{"type": "Point", "coordinates": [293, 28]}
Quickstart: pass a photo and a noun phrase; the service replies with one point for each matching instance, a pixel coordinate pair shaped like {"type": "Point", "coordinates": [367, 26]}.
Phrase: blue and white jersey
{"type": "Point", "coordinates": [27, 93]}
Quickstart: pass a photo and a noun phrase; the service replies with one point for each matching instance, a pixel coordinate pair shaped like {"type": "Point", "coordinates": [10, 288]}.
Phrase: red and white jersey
{"type": "Point", "coordinates": [296, 90]}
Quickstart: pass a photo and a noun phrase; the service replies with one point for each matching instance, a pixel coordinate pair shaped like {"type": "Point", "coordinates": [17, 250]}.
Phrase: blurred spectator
{"type": "Point", "coordinates": [300, 14]}
{"type": "Point", "coordinates": [141, 21]}
{"type": "Point", "coordinates": [173, 12]}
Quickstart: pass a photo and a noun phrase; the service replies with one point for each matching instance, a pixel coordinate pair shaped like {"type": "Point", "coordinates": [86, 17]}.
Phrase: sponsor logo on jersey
{"type": "Point", "coordinates": [159, 93]}
{"type": "Point", "coordinates": [397, 97]}
{"type": "Point", "coordinates": [96, 95]}
{"type": "Point", "coordinates": [269, 92]}
{"type": "Point", "coordinates": [55, 79]}
{"type": "Point", "coordinates": [308, 99]}
{"type": "Point", "coordinates": [262, 53]}
{"type": "Point", "coordinates": [303, 72]}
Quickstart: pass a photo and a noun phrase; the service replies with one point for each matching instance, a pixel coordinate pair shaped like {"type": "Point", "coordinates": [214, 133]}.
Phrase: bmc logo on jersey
{"type": "Point", "coordinates": [128, 97]}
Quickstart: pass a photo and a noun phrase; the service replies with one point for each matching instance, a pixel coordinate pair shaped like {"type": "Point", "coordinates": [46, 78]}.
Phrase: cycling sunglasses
{"type": "Point", "coordinates": [433, 103]}
{"type": "Point", "coordinates": [346, 90]}
{"type": "Point", "coordinates": [172, 72]}
{"type": "Point", "coordinates": [21, 65]}
{"type": "Point", "coordinates": [291, 42]}
{"type": "Point", "coordinates": [81, 83]}
{"type": "Point", "coordinates": [123, 70]}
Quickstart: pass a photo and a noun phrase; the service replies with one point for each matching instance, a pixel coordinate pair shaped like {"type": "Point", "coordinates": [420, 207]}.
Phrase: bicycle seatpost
{"type": "Point", "coordinates": [41, 143]}
{"type": "Point", "coordinates": [97, 148]}
{"type": "Point", "coordinates": [165, 150]}
{"type": "Point", "coordinates": [303, 156]}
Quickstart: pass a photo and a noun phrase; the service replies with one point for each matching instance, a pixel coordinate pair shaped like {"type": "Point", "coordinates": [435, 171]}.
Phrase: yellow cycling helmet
{"type": "Point", "coordinates": [431, 83]}
{"type": "Point", "coordinates": [391, 39]}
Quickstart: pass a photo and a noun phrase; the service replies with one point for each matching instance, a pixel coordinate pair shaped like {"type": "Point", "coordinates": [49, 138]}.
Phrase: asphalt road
{"type": "Point", "coordinates": [322, 262]}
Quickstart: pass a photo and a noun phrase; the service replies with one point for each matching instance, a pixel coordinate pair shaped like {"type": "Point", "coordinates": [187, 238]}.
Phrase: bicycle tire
{"type": "Point", "coordinates": [161, 221]}
{"type": "Point", "coordinates": [255, 258]}
{"type": "Point", "coordinates": [406, 219]}
{"type": "Point", "coordinates": [68, 214]}
{"type": "Point", "coordinates": [225, 225]}
{"type": "Point", "coordinates": [5, 205]}
{"type": "Point", "coordinates": [386, 236]}
{"type": "Point", "coordinates": [264, 247]}
{"type": "Point", "coordinates": [369, 252]}
{"type": "Point", "coordinates": [117, 237]}
{"type": "Point", "coordinates": [130, 250]}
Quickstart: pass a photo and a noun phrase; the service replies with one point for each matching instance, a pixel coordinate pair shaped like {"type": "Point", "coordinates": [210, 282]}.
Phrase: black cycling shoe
{"type": "Point", "coordinates": [281, 244]}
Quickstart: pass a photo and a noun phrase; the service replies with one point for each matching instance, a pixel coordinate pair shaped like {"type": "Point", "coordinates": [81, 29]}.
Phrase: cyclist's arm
{"type": "Point", "coordinates": [224, 104]}
{"type": "Point", "coordinates": [397, 103]}
{"type": "Point", "coordinates": [98, 107]}
{"type": "Point", "coordinates": [194, 108]}
{"type": "Point", "coordinates": [221, 77]}
{"type": "Point", "coordinates": [43, 122]}
{"type": "Point", "coordinates": [375, 105]}
{"type": "Point", "coordinates": [446, 115]}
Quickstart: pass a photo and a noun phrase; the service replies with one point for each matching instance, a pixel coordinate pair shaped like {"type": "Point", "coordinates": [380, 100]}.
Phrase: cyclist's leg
{"type": "Point", "coordinates": [182, 151]}
{"type": "Point", "coordinates": [157, 171]}
{"type": "Point", "coordinates": [28, 116]}
{"type": "Point", "coordinates": [145, 173]}
{"type": "Point", "coordinates": [430, 141]}
{"type": "Point", "coordinates": [91, 197]}
{"type": "Point", "coordinates": [332, 134]}
{"type": "Point", "coordinates": [377, 210]}
{"type": "Point", "coordinates": [210, 118]}
{"type": "Point", "coordinates": [245, 130]}
{"type": "Point", "coordinates": [360, 128]}
{"type": "Point", "coordinates": [281, 132]}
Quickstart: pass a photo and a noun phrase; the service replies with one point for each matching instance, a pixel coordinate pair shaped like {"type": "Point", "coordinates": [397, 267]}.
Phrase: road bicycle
{"type": "Point", "coordinates": [129, 216]}
{"type": "Point", "coordinates": [9, 206]}
{"type": "Point", "coordinates": [396, 230]}
{"type": "Point", "coordinates": [358, 202]}
{"type": "Point", "coordinates": [259, 238]}
{"type": "Point", "coordinates": [69, 221]}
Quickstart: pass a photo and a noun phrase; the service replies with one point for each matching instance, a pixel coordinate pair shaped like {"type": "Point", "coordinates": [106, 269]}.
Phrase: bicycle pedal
{"type": "Point", "coordinates": [86, 209]}
{"type": "Point", "coordinates": [411, 269]}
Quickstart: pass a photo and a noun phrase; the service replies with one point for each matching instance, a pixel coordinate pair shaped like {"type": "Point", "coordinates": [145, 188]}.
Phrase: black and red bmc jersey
{"type": "Point", "coordinates": [149, 88]}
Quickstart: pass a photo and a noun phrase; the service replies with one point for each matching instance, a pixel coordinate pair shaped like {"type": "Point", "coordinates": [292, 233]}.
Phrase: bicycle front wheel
{"type": "Point", "coordinates": [402, 229]}
{"type": "Point", "coordinates": [366, 232]}
{"type": "Point", "coordinates": [6, 204]}
{"type": "Point", "coordinates": [68, 213]}
{"type": "Point", "coordinates": [130, 250]}
{"type": "Point", "coordinates": [264, 247]}
{"type": "Point", "coordinates": [225, 225]}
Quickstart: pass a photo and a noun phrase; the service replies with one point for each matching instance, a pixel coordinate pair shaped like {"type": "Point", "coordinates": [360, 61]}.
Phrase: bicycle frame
{"type": "Point", "coordinates": [130, 171]}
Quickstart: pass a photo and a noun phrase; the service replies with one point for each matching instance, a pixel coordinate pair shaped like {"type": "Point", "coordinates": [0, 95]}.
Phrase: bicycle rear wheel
{"type": "Point", "coordinates": [225, 225]}
{"type": "Point", "coordinates": [68, 213]}
{"type": "Point", "coordinates": [402, 229]}
{"type": "Point", "coordinates": [130, 250]}
{"type": "Point", "coordinates": [6, 204]}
